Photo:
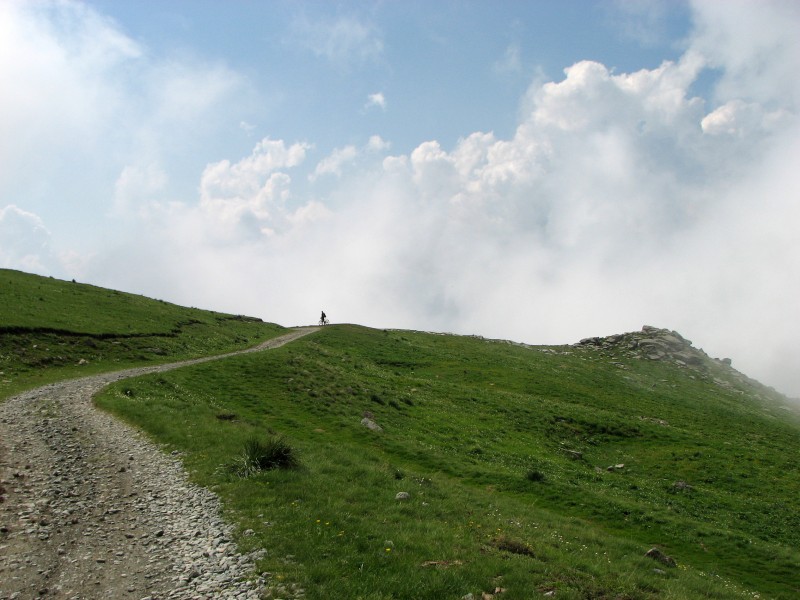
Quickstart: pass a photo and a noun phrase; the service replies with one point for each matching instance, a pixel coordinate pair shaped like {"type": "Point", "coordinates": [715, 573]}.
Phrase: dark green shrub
{"type": "Point", "coordinates": [534, 475]}
{"type": "Point", "coordinates": [275, 453]}
{"type": "Point", "coordinates": [513, 546]}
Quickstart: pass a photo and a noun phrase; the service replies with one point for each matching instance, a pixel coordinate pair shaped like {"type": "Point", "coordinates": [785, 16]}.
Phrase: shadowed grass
{"type": "Point", "coordinates": [52, 330]}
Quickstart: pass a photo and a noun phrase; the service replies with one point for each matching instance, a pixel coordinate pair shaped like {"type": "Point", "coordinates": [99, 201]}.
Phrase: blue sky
{"type": "Point", "coordinates": [536, 171]}
{"type": "Point", "coordinates": [444, 68]}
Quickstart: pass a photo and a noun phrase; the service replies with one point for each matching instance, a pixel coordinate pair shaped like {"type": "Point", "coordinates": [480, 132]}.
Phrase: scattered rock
{"type": "Point", "coordinates": [402, 496]}
{"type": "Point", "coordinates": [658, 555]}
{"type": "Point", "coordinates": [661, 422]}
{"type": "Point", "coordinates": [618, 467]}
{"type": "Point", "coordinates": [370, 424]}
{"type": "Point", "coordinates": [651, 343]}
{"type": "Point", "coordinates": [682, 486]}
{"type": "Point", "coordinates": [442, 563]}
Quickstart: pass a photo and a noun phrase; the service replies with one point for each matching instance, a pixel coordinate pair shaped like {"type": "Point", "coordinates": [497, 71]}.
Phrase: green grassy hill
{"type": "Point", "coordinates": [52, 329]}
{"type": "Point", "coordinates": [529, 471]}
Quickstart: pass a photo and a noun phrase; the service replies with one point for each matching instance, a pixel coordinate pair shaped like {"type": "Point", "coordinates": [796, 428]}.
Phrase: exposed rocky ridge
{"type": "Point", "coordinates": [657, 344]}
{"type": "Point", "coordinates": [653, 343]}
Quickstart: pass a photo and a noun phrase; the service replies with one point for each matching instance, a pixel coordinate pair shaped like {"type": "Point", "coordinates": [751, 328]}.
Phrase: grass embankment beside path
{"type": "Point", "coordinates": [52, 330]}
{"type": "Point", "coordinates": [505, 454]}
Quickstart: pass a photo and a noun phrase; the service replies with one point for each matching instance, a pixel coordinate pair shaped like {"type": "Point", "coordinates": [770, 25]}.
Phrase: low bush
{"type": "Point", "coordinates": [534, 475]}
{"type": "Point", "coordinates": [513, 546]}
{"type": "Point", "coordinates": [275, 453]}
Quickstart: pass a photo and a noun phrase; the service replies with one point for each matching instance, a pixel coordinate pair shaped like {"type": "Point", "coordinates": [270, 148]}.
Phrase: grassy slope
{"type": "Point", "coordinates": [484, 435]}
{"type": "Point", "coordinates": [48, 327]}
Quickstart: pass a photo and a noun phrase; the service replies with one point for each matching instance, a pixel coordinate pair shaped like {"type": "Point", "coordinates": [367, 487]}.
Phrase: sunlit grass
{"type": "Point", "coordinates": [508, 454]}
{"type": "Point", "coordinates": [504, 452]}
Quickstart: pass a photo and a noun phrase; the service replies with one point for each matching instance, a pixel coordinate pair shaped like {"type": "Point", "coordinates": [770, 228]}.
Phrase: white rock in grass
{"type": "Point", "coordinates": [370, 424]}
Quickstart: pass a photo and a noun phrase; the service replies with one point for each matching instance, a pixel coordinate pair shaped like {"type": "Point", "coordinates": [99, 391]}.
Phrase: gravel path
{"type": "Point", "coordinates": [89, 508]}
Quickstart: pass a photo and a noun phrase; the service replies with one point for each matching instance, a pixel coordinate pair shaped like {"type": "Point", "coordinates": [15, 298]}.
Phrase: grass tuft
{"type": "Point", "coordinates": [534, 475]}
{"type": "Point", "coordinates": [507, 544]}
{"type": "Point", "coordinates": [258, 456]}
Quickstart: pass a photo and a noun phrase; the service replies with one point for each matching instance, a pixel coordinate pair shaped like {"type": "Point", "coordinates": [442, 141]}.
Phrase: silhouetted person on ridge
{"type": "Point", "coordinates": [322, 320]}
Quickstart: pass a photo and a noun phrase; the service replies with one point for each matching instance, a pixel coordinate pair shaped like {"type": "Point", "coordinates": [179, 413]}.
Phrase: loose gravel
{"type": "Point", "coordinates": [90, 508]}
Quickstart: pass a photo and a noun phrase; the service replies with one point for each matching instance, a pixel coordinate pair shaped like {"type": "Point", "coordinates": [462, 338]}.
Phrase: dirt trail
{"type": "Point", "coordinates": [89, 508]}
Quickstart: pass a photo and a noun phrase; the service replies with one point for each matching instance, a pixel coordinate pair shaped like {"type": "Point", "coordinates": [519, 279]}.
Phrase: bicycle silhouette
{"type": "Point", "coordinates": [324, 321]}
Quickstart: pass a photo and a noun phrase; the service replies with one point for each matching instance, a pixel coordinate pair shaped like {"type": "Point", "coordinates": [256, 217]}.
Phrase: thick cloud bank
{"type": "Point", "coordinates": [621, 199]}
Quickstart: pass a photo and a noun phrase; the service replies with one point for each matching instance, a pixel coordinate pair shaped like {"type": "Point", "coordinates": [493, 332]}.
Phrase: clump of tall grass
{"type": "Point", "coordinates": [513, 546]}
{"type": "Point", "coordinates": [258, 455]}
{"type": "Point", "coordinates": [534, 475]}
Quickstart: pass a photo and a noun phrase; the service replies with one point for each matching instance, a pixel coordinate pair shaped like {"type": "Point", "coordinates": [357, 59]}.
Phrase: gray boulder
{"type": "Point", "coordinates": [370, 424]}
{"type": "Point", "coordinates": [658, 555]}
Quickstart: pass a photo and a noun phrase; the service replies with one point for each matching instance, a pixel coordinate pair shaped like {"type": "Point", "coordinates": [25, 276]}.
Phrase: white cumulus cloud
{"type": "Point", "coordinates": [333, 163]}
{"type": "Point", "coordinates": [248, 197]}
{"type": "Point", "coordinates": [377, 144]}
{"type": "Point", "coordinates": [376, 99]}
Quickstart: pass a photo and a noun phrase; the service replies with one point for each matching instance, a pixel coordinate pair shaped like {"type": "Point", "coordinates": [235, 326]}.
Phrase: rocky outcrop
{"type": "Point", "coordinates": [651, 343]}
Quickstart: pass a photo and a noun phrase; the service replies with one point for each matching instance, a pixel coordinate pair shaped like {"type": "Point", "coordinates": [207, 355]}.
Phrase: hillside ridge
{"type": "Point", "coordinates": [668, 346]}
{"type": "Point", "coordinates": [536, 470]}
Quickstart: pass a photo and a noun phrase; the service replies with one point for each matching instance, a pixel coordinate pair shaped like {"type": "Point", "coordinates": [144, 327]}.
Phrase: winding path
{"type": "Point", "coordinates": [92, 509]}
